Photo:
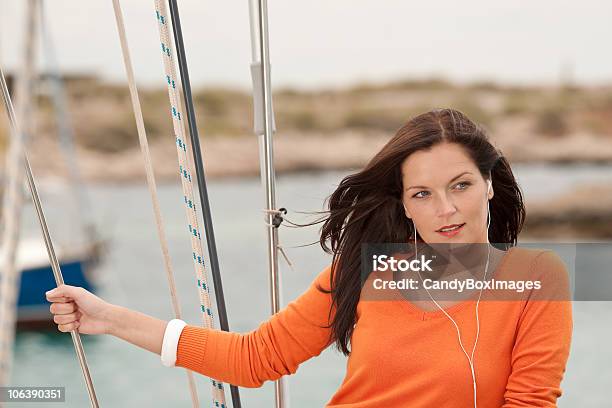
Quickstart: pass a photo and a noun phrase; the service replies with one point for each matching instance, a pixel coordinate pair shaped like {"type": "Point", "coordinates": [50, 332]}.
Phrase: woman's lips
{"type": "Point", "coordinates": [451, 233]}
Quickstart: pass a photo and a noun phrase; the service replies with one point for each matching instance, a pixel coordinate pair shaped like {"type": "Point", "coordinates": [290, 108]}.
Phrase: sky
{"type": "Point", "coordinates": [337, 43]}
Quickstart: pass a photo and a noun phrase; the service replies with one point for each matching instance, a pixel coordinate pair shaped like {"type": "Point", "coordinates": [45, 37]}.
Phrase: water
{"type": "Point", "coordinates": [543, 181]}
{"type": "Point", "coordinates": [133, 276]}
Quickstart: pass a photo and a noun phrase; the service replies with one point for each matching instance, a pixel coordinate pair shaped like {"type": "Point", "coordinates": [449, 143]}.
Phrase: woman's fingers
{"type": "Point", "coordinates": [64, 291]}
{"type": "Point", "coordinates": [68, 327]}
{"type": "Point", "coordinates": [60, 299]}
{"type": "Point", "coordinates": [62, 308]}
{"type": "Point", "coordinates": [71, 303]}
{"type": "Point", "coordinates": [66, 318]}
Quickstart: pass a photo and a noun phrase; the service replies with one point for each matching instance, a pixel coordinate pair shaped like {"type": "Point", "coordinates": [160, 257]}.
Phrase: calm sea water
{"type": "Point", "coordinates": [132, 275]}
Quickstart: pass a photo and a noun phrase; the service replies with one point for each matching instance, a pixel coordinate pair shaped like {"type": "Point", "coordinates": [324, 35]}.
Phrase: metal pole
{"type": "Point", "coordinates": [201, 178]}
{"type": "Point", "coordinates": [268, 167]}
{"type": "Point", "coordinates": [57, 273]}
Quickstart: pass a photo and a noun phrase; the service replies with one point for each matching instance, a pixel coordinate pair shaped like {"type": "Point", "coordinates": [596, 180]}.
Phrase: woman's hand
{"type": "Point", "coordinates": [74, 307]}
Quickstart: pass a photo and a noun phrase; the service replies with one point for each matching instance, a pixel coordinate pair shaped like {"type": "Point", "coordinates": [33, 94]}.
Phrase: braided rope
{"type": "Point", "coordinates": [186, 182]}
{"type": "Point", "coordinates": [148, 163]}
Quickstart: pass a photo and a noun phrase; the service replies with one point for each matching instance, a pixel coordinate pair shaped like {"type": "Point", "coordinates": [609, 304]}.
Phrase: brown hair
{"type": "Point", "coordinates": [367, 205]}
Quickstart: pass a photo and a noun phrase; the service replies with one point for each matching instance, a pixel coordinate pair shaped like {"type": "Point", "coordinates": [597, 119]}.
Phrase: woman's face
{"type": "Point", "coordinates": [441, 187]}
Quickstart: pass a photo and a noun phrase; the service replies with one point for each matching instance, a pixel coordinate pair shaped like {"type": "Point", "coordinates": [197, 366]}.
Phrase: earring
{"type": "Point", "coordinates": [488, 209]}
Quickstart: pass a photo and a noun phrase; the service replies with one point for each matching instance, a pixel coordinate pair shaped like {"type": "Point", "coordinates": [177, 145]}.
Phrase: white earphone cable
{"type": "Point", "coordinates": [470, 359]}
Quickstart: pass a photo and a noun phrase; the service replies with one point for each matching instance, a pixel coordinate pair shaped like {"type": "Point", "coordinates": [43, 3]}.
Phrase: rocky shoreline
{"type": "Point", "coordinates": [239, 156]}
{"type": "Point", "coordinates": [327, 129]}
{"type": "Point", "coordinates": [583, 213]}
{"type": "Point", "coordinates": [339, 130]}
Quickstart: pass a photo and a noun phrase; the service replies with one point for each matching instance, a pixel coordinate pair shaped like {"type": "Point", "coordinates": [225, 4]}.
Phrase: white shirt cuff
{"type": "Point", "coordinates": [170, 343]}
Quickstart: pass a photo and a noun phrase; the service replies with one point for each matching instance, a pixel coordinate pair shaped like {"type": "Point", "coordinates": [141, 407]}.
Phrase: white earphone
{"type": "Point", "coordinates": [470, 359]}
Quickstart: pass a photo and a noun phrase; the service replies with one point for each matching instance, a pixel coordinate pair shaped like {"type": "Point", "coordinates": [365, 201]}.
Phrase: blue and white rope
{"type": "Point", "coordinates": [186, 181]}
{"type": "Point", "coordinates": [146, 155]}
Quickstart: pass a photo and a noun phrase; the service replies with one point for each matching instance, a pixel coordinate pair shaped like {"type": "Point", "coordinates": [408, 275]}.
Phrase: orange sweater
{"type": "Point", "coordinates": [404, 356]}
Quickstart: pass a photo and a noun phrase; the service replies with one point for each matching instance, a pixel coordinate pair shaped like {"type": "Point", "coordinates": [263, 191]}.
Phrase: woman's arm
{"type": "Point", "coordinates": [275, 348]}
{"type": "Point", "coordinates": [543, 339]}
{"type": "Point", "coordinates": [137, 328]}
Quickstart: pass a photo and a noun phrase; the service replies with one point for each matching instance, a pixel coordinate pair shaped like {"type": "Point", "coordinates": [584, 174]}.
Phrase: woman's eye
{"type": "Point", "coordinates": [461, 186]}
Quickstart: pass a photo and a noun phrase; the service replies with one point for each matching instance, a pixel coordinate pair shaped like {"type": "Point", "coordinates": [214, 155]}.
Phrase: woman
{"type": "Point", "coordinates": [438, 181]}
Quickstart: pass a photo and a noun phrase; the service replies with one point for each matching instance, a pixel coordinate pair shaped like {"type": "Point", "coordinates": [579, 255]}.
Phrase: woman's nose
{"type": "Point", "coordinates": [445, 206]}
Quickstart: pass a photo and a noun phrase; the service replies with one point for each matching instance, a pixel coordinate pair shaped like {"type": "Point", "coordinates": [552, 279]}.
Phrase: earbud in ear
{"type": "Point", "coordinates": [405, 210]}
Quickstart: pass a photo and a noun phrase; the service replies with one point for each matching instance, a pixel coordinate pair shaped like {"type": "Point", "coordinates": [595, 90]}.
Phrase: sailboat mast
{"type": "Point", "coordinates": [264, 128]}
{"type": "Point", "coordinates": [13, 197]}
{"type": "Point", "coordinates": [59, 279]}
{"type": "Point", "coordinates": [65, 131]}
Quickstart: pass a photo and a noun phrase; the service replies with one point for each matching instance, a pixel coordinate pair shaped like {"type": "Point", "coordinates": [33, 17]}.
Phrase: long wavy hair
{"type": "Point", "coordinates": [367, 205]}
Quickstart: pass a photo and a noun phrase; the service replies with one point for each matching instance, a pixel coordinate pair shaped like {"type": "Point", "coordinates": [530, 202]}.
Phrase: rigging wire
{"type": "Point", "coordinates": [151, 184]}
{"type": "Point", "coordinates": [200, 177]}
